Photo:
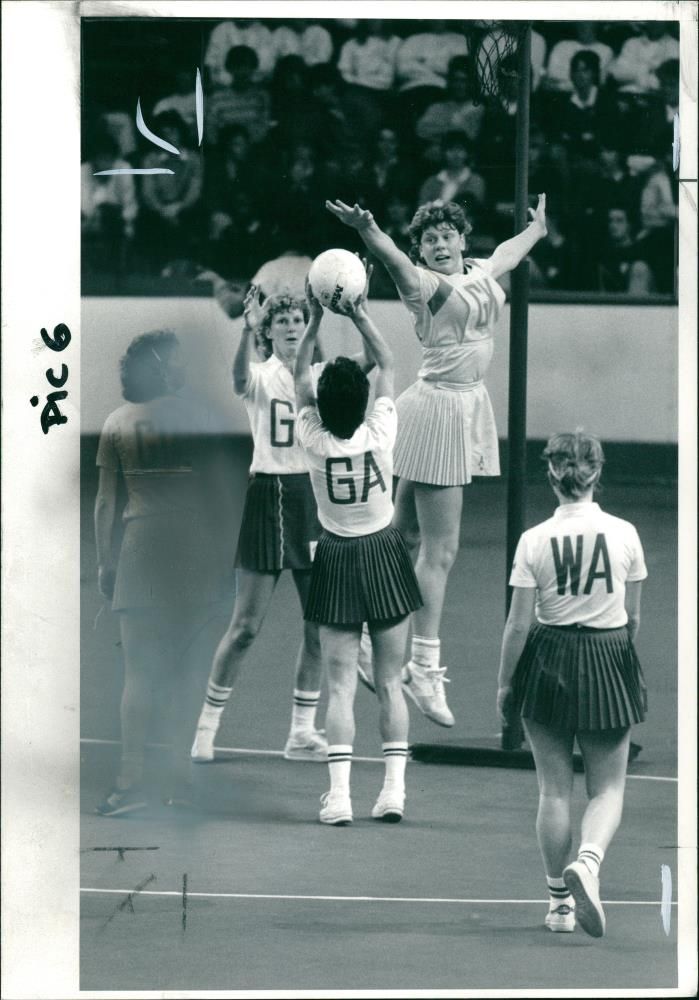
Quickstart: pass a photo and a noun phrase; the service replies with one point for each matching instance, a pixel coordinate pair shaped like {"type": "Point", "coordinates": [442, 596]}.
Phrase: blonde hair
{"type": "Point", "coordinates": [574, 463]}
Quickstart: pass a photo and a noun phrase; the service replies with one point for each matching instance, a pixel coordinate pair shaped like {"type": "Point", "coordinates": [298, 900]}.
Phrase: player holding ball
{"type": "Point", "coordinates": [446, 427]}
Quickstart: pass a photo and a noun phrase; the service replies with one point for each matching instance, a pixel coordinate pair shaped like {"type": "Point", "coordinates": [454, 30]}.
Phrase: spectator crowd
{"type": "Point", "coordinates": [390, 114]}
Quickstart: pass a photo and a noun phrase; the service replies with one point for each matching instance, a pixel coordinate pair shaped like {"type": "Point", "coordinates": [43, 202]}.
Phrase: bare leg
{"type": "Point", "coordinates": [439, 516]}
{"type": "Point", "coordinates": [388, 643]}
{"type": "Point", "coordinates": [309, 663]}
{"type": "Point", "coordinates": [340, 646]}
{"type": "Point", "coordinates": [606, 756]}
{"type": "Point", "coordinates": [553, 757]}
{"type": "Point", "coordinates": [405, 516]}
{"type": "Point", "coordinates": [254, 592]}
{"type": "Point", "coordinates": [145, 643]}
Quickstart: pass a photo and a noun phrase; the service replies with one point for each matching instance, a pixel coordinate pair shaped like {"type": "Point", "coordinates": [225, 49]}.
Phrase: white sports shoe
{"type": "Point", "coordinates": [203, 746]}
{"type": "Point", "coordinates": [584, 887]}
{"type": "Point", "coordinates": [365, 663]}
{"type": "Point", "coordinates": [561, 919]}
{"type": "Point", "coordinates": [307, 746]}
{"type": "Point", "coordinates": [335, 808]}
{"type": "Point", "coordinates": [425, 687]}
{"type": "Point", "coordinates": [390, 806]}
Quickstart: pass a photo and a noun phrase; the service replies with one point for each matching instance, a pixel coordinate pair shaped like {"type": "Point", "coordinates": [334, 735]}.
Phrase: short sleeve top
{"type": "Point", "coordinates": [454, 316]}
{"type": "Point", "coordinates": [580, 561]}
{"type": "Point", "coordinates": [352, 478]}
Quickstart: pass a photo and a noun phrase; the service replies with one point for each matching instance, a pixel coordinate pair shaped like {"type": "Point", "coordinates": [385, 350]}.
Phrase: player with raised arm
{"type": "Point", "coordinates": [574, 673]}
{"type": "Point", "coordinates": [362, 570]}
{"type": "Point", "coordinates": [446, 427]}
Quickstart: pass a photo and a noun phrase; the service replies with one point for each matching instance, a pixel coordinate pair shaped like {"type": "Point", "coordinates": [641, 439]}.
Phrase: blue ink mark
{"type": "Point", "coordinates": [199, 99]}
{"type": "Point", "coordinates": [666, 903]}
{"type": "Point", "coordinates": [151, 136]}
{"type": "Point", "coordinates": [134, 170]}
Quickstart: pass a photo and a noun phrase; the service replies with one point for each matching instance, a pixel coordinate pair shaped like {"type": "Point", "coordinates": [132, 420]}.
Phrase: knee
{"type": "Point", "coordinates": [341, 678]}
{"type": "Point", "coordinates": [441, 553]}
{"type": "Point", "coordinates": [388, 690]}
{"type": "Point", "coordinates": [243, 633]}
{"type": "Point", "coordinates": [411, 534]}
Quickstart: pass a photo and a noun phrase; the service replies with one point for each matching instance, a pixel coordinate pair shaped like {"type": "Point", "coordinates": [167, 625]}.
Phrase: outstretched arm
{"type": "Point", "coordinates": [508, 255]}
{"type": "Point", "coordinates": [398, 264]}
{"type": "Point", "coordinates": [303, 382]}
{"type": "Point", "coordinates": [375, 347]}
{"type": "Point", "coordinates": [246, 348]}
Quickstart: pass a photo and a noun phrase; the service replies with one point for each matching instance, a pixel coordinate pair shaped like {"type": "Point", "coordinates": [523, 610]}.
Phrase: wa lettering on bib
{"type": "Point", "coordinates": [568, 562]}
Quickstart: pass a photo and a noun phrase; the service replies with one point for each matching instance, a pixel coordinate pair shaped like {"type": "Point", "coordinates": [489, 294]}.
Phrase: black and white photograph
{"type": "Point", "coordinates": [349, 507]}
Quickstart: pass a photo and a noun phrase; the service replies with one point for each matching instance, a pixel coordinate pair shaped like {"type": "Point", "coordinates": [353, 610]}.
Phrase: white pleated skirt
{"type": "Point", "coordinates": [446, 434]}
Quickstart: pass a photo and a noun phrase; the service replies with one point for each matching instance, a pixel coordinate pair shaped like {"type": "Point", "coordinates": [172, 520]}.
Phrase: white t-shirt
{"type": "Point", "coordinates": [352, 479]}
{"type": "Point", "coordinates": [580, 561]}
{"type": "Point", "coordinates": [270, 401]}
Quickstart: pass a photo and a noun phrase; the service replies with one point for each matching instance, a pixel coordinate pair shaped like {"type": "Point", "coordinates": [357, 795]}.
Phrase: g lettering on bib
{"type": "Point", "coordinates": [281, 423]}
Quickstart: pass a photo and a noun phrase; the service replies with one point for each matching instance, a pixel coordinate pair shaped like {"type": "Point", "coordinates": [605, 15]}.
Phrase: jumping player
{"type": "Point", "coordinates": [446, 427]}
{"type": "Point", "coordinates": [279, 528]}
{"type": "Point", "coordinates": [362, 570]}
{"type": "Point", "coordinates": [574, 674]}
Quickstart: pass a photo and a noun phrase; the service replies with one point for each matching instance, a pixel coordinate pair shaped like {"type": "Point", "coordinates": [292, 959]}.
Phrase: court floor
{"type": "Point", "coordinates": [250, 892]}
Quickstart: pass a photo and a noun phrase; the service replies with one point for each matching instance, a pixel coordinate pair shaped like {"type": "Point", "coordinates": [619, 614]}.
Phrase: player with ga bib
{"type": "Point", "coordinates": [362, 570]}
{"type": "Point", "coordinates": [446, 426]}
{"type": "Point", "coordinates": [279, 527]}
{"type": "Point", "coordinates": [574, 673]}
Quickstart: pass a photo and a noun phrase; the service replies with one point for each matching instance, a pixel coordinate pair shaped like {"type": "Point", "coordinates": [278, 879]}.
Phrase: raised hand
{"type": "Point", "coordinates": [356, 217]}
{"type": "Point", "coordinates": [314, 304]}
{"type": "Point", "coordinates": [538, 214]}
{"type": "Point", "coordinates": [252, 308]}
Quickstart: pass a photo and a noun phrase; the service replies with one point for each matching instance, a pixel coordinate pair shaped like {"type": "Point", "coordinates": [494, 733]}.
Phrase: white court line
{"type": "Point", "coordinates": [352, 899]}
{"type": "Point", "coordinates": [245, 752]}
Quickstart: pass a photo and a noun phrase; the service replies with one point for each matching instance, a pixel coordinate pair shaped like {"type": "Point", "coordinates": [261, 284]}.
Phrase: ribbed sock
{"type": "Point", "coordinates": [558, 893]}
{"type": "Point", "coordinates": [395, 758]}
{"type": "Point", "coordinates": [425, 652]}
{"type": "Point", "coordinates": [592, 856]}
{"type": "Point", "coordinates": [339, 765]}
{"type": "Point", "coordinates": [214, 704]}
{"type": "Point", "coordinates": [303, 712]}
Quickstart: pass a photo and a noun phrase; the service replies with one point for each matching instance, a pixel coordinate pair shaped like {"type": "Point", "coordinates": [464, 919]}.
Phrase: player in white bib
{"type": "Point", "coordinates": [279, 527]}
{"type": "Point", "coordinates": [574, 674]}
{"type": "Point", "coordinates": [362, 570]}
{"type": "Point", "coordinates": [446, 427]}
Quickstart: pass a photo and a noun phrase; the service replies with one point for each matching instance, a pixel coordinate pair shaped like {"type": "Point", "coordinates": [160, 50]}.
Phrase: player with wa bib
{"type": "Point", "coordinates": [574, 673]}
{"type": "Point", "coordinates": [279, 527]}
{"type": "Point", "coordinates": [362, 570]}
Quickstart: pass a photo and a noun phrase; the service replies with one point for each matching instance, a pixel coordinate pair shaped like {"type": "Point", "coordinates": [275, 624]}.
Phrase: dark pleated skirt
{"type": "Point", "coordinates": [280, 527]}
{"type": "Point", "coordinates": [364, 579]}
{"type": "Point", "coordinates": [573, 678]}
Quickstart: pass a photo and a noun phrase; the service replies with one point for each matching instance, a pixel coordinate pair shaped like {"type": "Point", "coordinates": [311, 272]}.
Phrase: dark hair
{"type": "Point", "coordinates": [275, 304]}
{"type": "Point", "coordinates": [434, 214]}
{"type": "Point", "coordinates": [456, 139]}
{"type": "Point", "coordinates": [144, 368]}
{"type": "Point", "coordinates": [586, 58]}
{"type": "Point", "coordinates": [169, 119]}
{"type": "Point", "coordinates": [343, 393]}
{"type": "Point", "coordinates": [574, 463]}
{"type": "Point", "coordinates": [241, 56]}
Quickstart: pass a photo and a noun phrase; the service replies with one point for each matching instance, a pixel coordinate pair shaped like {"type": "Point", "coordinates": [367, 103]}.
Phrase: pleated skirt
{"type": "Point", "coordinates": [168, 560]}
{"type": "Point", "coordinates": [572, 678]}
{"type": "Point", "coordinates": [365, 579]}
{"type": "Point", "coordinates": [446, 434]}
{"type": "Point", "coordinates": [280, 527]}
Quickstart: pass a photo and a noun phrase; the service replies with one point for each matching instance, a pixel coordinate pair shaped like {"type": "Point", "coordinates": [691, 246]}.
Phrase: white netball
{"type": "Point", "coordinates": [337, 277]}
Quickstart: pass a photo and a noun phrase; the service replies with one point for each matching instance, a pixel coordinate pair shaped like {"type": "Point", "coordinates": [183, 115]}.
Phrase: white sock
{"type": "Point", "coordinates": [591, 856]}
{"type": "Point", "coordinates": [339, 765]}
{"type": "Point", "coordinates": [558, 893]}
{"type": "Point", "coordinates": [214, 704]}
{"type": "Point", "coordinates": [303, 712]}
{"type": "Point", "coordinates": [395, 758]}
{"type": "Point", "coordinates": [425, 652]}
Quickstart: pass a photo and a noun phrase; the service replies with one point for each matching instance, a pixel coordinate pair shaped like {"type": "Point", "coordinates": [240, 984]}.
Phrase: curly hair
{"type": "Point", "coordinates": [436, 213]}
{"type": "Point", "coordinates": [273, 305]}
{"type": "Point", "coordinates": [343, 393]}
{"type": "Point", "coordinates": [574, 463]}
{"type": "Point", "coordinates": [144, 369]}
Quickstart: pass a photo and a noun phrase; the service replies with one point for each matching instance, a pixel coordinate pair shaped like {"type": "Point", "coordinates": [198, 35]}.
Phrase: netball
{"type": "Point", "coordinates": [337, 278]}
